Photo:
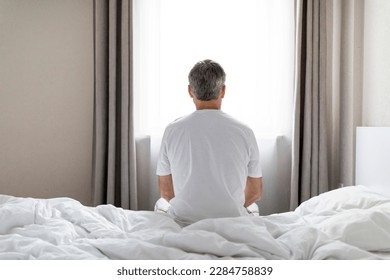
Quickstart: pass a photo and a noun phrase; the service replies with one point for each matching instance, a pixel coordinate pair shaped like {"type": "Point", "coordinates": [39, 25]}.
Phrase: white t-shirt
{"type": "Point", "coordinates": [210, 155]}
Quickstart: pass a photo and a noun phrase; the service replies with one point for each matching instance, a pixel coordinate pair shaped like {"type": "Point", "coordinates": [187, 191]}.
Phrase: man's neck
{"type": "Point", "coordinates": [208, 105]}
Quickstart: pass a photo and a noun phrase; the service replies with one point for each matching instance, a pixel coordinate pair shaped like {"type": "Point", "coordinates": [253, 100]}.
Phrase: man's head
{"type": "Point", "coordinates": [207, 80]}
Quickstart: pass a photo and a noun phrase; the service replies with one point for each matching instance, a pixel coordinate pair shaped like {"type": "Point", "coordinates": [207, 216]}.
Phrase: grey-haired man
{"type": "Point", "coordinates": [209, 163]}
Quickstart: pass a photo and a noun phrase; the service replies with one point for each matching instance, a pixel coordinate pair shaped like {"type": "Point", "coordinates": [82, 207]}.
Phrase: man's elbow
{"type": "Point", "coordinates": [259, 196]}
{"type": "Point", "coordinates": [166, 187]}
{"type": "Point", "coordinates": [254, 189]}
{"type": "Point", "coordinates": [259, 193]}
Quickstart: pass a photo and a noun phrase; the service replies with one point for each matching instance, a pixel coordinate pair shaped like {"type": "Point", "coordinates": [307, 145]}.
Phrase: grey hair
{"type": "Point", "coordinates": [206, 80]}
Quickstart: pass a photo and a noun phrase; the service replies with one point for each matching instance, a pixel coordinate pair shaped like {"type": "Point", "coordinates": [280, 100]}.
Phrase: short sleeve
{"type": "Point", "coordinates": [254, 167]}
{"type": "Point", "coordinates": [163, 165]}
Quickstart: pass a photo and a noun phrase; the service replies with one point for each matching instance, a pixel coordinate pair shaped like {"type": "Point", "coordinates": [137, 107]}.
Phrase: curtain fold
{"type": "Point", "coordinates": [309, 147]}
{"type": "Point", "coordinates": [114, 158]}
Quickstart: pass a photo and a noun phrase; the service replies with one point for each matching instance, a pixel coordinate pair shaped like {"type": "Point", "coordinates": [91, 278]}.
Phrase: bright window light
{"type": "Point", "coordinates": [253, 40]}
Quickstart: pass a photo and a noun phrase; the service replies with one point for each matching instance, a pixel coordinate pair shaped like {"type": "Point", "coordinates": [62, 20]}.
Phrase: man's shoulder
{"type": "Point", "coordinates": [178, 123]}
{"type": "Point", "coordinates": [179, 120]}
{"type": "Point", "coordinates": [238, 123]}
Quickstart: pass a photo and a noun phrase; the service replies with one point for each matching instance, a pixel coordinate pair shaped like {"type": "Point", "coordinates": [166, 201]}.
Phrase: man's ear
{"type": "Point", "coordinates": [223, 90]}
{"type": "Point", "coordinates": [190, 91]}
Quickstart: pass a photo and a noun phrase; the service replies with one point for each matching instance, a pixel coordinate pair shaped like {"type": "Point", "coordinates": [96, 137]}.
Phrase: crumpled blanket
{"type": "Point", "coordinates": [348, 223]}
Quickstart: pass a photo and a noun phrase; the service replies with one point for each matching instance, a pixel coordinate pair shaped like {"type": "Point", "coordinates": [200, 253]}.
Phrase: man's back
{"type": "Point", "coordinates": [210, 155]}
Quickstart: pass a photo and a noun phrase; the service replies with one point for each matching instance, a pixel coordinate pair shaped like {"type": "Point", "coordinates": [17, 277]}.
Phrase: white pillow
{"type": "Point", "coordinates": [352, 197]}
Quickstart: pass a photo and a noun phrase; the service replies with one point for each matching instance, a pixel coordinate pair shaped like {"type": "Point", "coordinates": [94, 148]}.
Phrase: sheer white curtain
{"type": "Point", "coordinates": [252, 39]}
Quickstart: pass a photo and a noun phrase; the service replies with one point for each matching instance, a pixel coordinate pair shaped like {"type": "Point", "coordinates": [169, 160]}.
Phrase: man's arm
{"type": "Point", "coordinates": [253, 190]}
{"type": "Point", "coordinates": [166, 187]}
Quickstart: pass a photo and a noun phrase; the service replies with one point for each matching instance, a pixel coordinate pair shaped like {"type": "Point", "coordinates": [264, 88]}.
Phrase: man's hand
{"type": "Point", "coordinates": [166, 187]}
{"type": "Point", "coordinates": [253, 190]}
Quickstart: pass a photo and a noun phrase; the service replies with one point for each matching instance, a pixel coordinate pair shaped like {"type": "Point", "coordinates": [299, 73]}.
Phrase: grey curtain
{"type": "Point", "coordinates": [327, 95]}
{"type": "Point", "coordinates": [309, 148]}
{"type": "Point", "coordinates": [114, 170]}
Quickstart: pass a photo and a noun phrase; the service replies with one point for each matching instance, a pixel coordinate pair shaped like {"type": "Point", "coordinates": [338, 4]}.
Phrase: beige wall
{"type": "Point", "coordinates": [376, 79]}
{"type": "Point", "coordinates": [46, 98]}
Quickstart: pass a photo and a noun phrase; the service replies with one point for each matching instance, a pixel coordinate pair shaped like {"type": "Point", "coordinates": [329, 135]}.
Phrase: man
{"type": "Point", "coordinates": [209, 163]}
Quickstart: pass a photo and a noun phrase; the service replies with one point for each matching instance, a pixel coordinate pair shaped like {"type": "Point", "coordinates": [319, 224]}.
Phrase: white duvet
{"type": "Point", "coordinates": [348, 223]}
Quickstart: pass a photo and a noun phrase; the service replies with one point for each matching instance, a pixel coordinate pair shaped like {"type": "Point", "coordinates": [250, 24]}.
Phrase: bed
{"type": "Point", "coordinates": [348, 223]}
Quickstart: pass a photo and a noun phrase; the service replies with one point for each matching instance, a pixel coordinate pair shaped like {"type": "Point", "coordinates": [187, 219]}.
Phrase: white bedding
{"type": "Point", "coordinates": [348, 223]}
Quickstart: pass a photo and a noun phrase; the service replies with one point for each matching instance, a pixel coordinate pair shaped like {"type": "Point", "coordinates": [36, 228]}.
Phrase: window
{"type": "Point", "coordinates": [253, 40]}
